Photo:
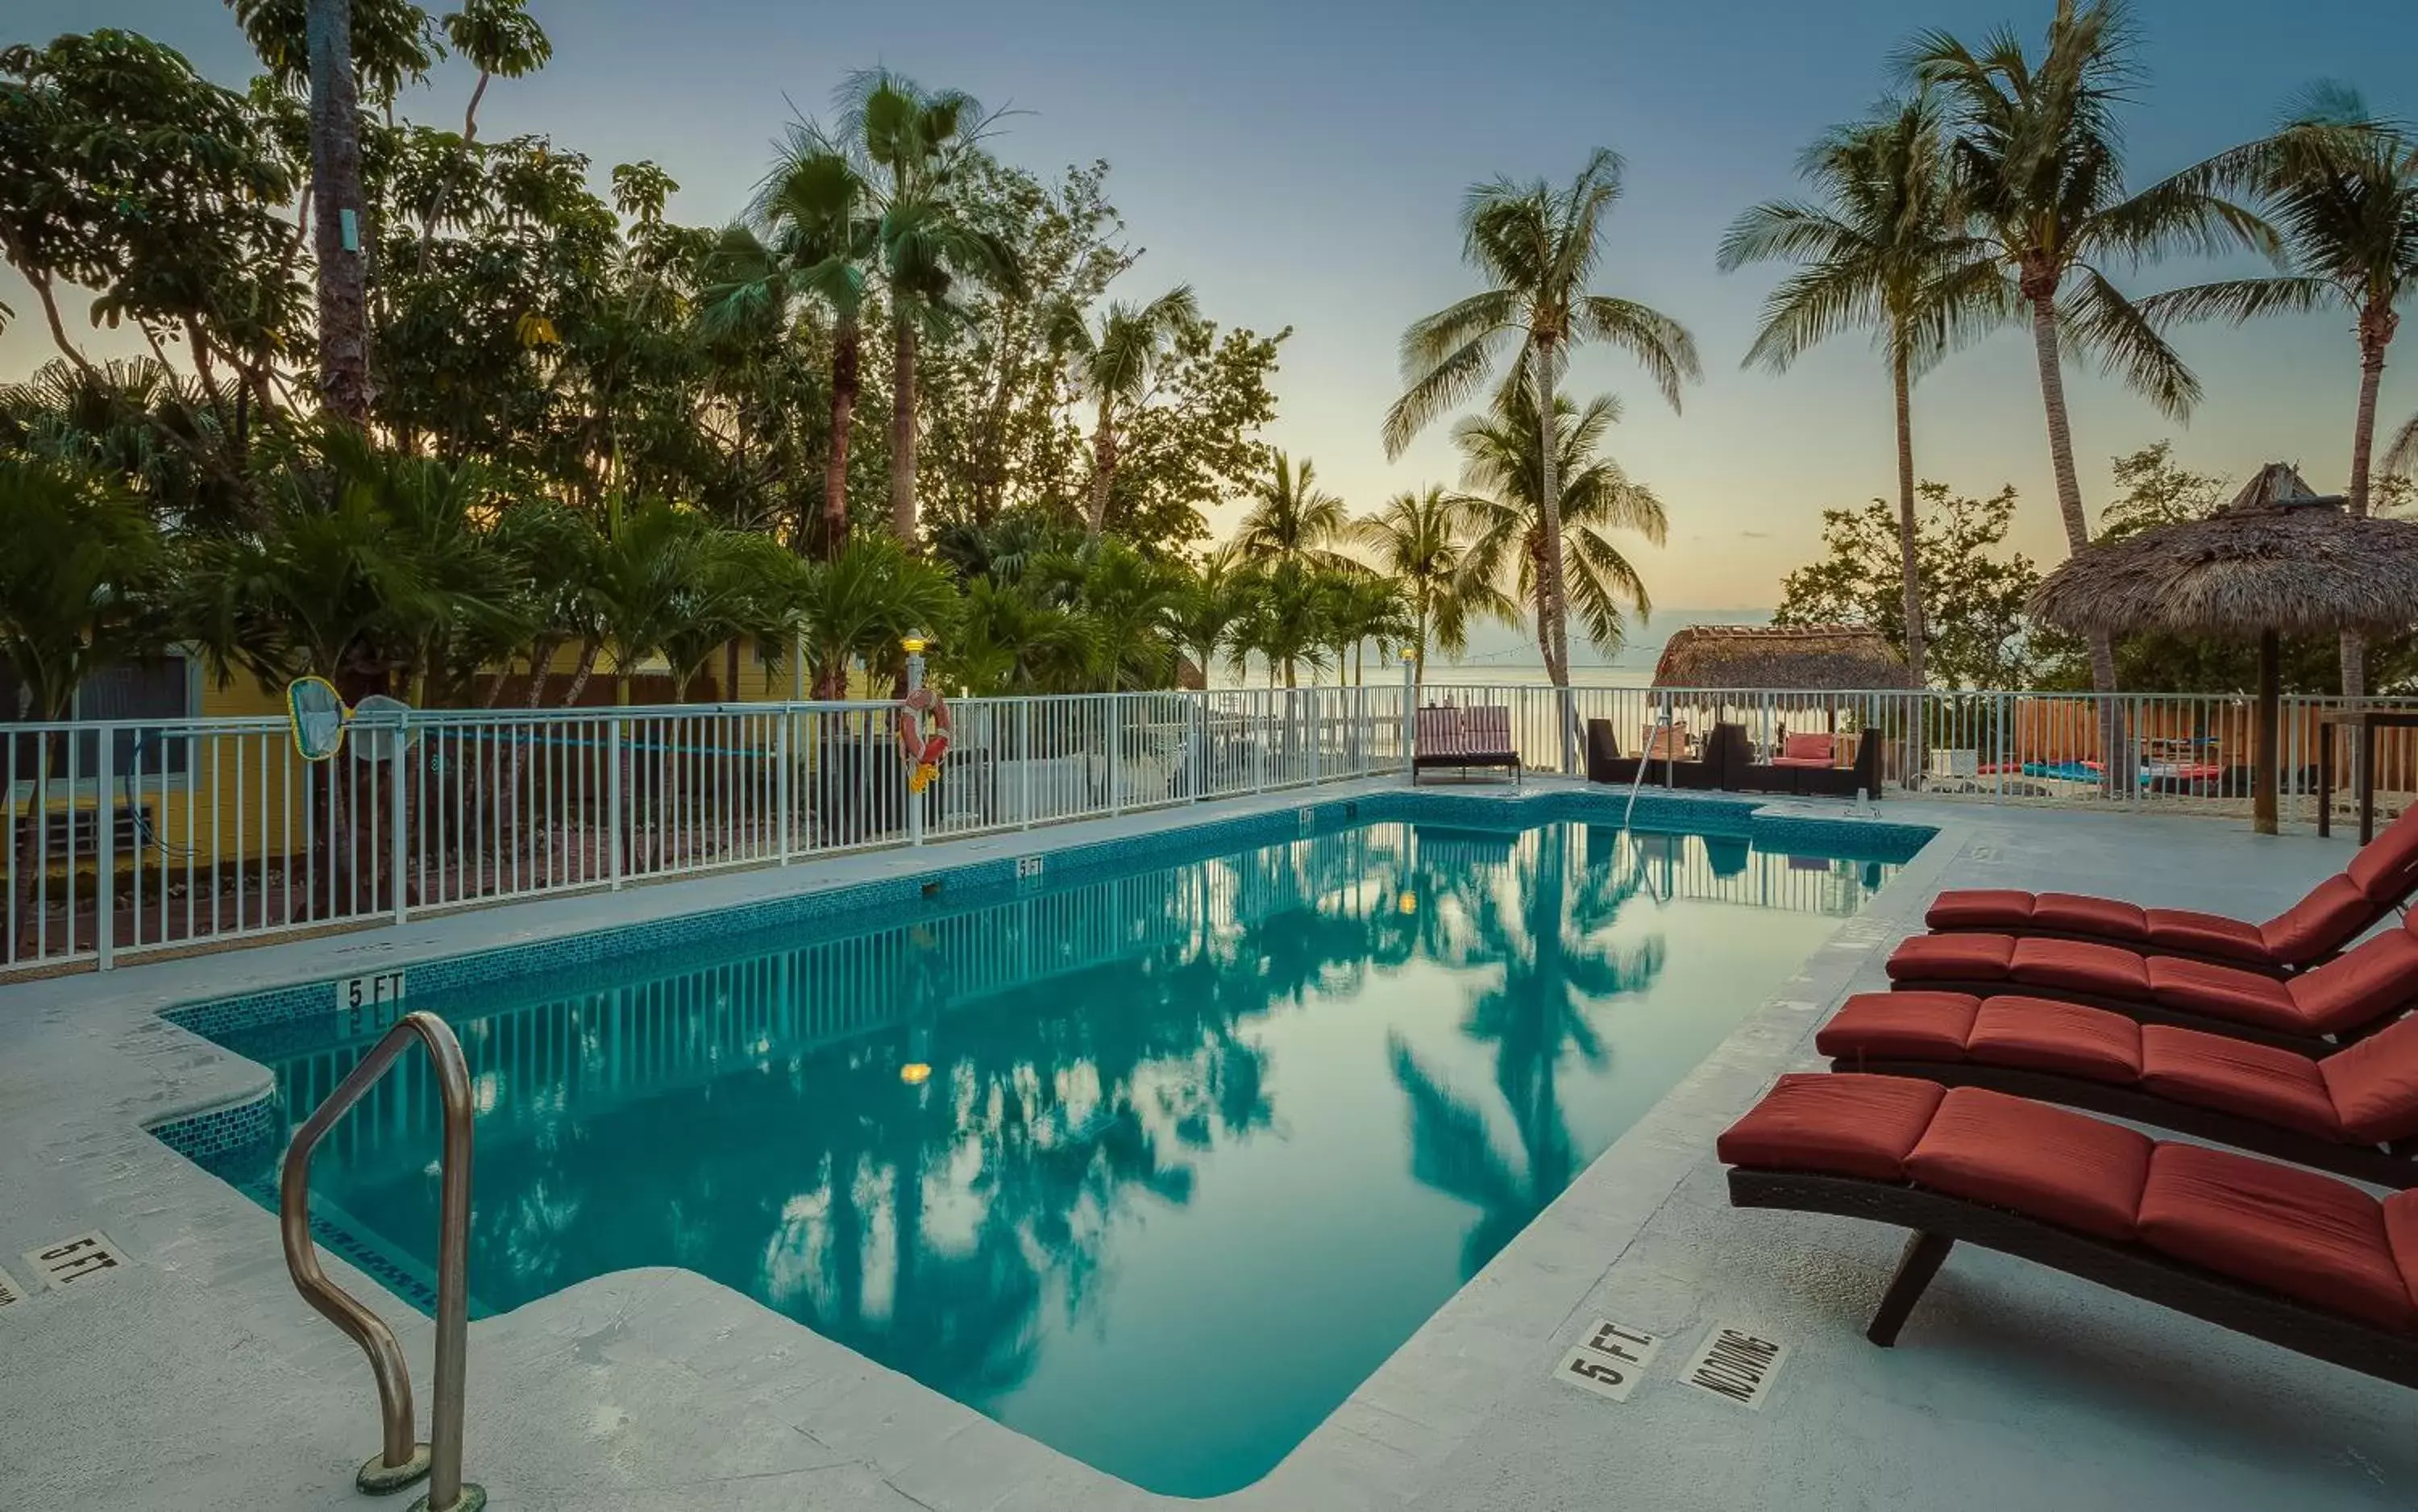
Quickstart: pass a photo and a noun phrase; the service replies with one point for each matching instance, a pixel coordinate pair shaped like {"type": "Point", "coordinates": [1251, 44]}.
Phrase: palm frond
{"type": "Point", "coordinates": [2239, 299]}
{"type": "Point", "coordinates": [2097, 320]}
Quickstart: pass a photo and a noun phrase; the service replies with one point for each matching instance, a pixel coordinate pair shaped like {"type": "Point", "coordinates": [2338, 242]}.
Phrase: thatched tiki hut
{"type": "Point", "coordinates": [2277, 558]}
{"type": "Point", "coordinates": [1793, 669]}
{"type": "Point", "coordinates": [1805, 658]}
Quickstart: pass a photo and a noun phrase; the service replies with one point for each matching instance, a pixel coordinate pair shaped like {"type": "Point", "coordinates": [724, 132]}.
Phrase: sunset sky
{"type": "Point", "coordinates": [1302, 164]}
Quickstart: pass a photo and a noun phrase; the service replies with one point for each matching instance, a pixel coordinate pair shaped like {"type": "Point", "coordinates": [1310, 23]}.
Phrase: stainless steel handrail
{"type": "Point", "coordinates": [403, 1460]}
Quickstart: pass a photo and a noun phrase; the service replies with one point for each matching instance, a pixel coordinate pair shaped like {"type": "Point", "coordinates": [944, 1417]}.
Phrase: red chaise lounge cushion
{"type": "Point", "coordinates": [2311, 1238]}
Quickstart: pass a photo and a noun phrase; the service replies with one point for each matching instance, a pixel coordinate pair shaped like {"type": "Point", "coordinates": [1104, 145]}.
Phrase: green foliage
{"type": "Point", "coordinates": [1973, 588]}
{"type": "Point", "coordinates": [125, 172]}
{"type": "Point", "coordinates": [80, 579]}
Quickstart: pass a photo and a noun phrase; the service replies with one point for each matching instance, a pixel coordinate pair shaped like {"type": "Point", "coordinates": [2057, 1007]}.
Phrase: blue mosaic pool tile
{"type": "Point", "coordinates": [208, 1138]}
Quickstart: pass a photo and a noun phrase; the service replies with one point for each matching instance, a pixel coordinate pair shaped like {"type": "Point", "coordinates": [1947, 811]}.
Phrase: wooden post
{"type": "Point", "coordinates": [2268, 778]}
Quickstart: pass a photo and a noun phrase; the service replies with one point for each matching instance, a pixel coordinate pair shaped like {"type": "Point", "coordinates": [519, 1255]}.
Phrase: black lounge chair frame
{"type": "Point", "coordinates": [1939, 1222]}
{"type": "Point", "coordinates": [2394, 1165]}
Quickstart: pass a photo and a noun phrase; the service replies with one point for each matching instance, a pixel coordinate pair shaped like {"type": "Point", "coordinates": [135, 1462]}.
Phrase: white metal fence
{"type": "Point", "coordinates": [2189, 752]}
{"type": "Point", "coordinates": [127, 838]}
{"type": "Point", "coordinates": [138, 837]}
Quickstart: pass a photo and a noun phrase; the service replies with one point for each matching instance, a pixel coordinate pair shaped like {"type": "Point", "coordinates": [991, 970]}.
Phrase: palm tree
{"type": "Point", "coordinates": [2344, 186]}
{"type": "Point", "coordinates": [1281, 620]}
{"type": "Point", "coordinates": [813, 207]}
{"type": "Point", "coordinates": [649, 557]}
{"type": "Point", "coordinates": [1880, 248]}
{"type": "Point", "coordinates": [919, 147]}
{"type": "Point", "coordinates": [2402, 455]}
{"type": "Point", "coordinates": [2038, 172]}
{"type": "Point", "coordinates": [1356, 608]}
{"type": "Point", "coordinates": [1507, 477]}
{"type": "Point", "coordinates": [1115, 365]}
{"type": "Point", "coordinates": [1129, 599]}
{"type": "Point", "coordinates": [858, 606]}
{"type": "Point", "coordinates": [1209, 604]}
{"type": "Point", "coordinates": [1538, 248]}
{"type": "Point", "coordinates": [1291, 519]}
{"type": "Point", "coordinates": [1421, 541]}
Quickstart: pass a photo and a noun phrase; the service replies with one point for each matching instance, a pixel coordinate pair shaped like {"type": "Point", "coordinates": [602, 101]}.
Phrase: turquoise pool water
{"type": "Point", "coordinates": [1155, 1168]}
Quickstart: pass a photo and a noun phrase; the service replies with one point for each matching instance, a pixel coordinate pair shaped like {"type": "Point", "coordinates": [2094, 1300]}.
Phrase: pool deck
{"type": "Point", "coordinates": [195, 1377]}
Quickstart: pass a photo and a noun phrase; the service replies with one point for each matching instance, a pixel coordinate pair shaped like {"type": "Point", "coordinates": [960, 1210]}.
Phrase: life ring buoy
{"type": "Point", "coordinates": [923, 749]}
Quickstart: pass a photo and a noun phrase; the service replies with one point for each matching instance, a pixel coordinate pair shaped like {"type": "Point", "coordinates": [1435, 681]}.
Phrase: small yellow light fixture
{"type": "Point", "coordinates": [1409, 655]}
{"type": "Point", "coordinates": [914, 645]}
{"type": "Point", "coordinates": [915, 1073]}
{"type": "Point", "coordinates": [1407, 903]}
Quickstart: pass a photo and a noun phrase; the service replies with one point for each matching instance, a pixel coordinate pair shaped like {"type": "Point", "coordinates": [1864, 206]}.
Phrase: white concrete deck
{"type": "Point", "coordinates": [197, 1379]}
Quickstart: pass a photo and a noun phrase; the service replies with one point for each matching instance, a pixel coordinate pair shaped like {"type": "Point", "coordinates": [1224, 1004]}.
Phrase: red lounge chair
{"type": "Point", "coordinates": [2354, 993]}
{"type": "Point", "coordinates": [2355, 1113]}
{"type": "Point", "coordinates": [2339, 910]}
{"type": "Point", "coordinates": [2300, 1259]}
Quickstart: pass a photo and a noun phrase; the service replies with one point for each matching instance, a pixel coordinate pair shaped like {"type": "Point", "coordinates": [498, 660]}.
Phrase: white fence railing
{"type": "Point", "coordinates": [2187, 752]}
{"type": "Point", "coordinates": [135, 837]}
{"type": "Point", "coordinates": [139, 837]}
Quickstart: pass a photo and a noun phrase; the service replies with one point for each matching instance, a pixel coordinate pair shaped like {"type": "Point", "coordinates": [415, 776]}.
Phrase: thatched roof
{"type": "Point", "coordinates": [1844, 657]}
{"type": "Point", "coordinates": [2277, 557]}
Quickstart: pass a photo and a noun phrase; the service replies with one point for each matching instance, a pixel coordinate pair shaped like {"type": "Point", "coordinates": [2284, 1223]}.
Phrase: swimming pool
{"type": "Point", "coordinates": [1154, 1165]}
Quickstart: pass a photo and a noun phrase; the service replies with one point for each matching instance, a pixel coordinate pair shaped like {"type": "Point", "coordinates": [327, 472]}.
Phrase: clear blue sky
{"type": "Point", "coordinates": [1301, 164]}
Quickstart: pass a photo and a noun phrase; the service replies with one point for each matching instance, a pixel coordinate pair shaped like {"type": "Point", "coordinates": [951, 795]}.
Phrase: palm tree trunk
{"type": "Point", "coordinates": [336, 189]}
{"type": "Point", "coordinates": [902, 428]}
{"type": "Point", "coordinates": [2376, 323]}
{"type": "Point", "coordinates": [846, 340]}
{"type": "Point", "coordinates": [1104, 467]}
{"type": "Point", "coordinates": [1909, 560]}
{"type": "Point", "coordinates": [2114, 762]}
{"type": "Point", "coordinates": [580, 674]}
{"type": "Point", "coordinates": [1554, 602]}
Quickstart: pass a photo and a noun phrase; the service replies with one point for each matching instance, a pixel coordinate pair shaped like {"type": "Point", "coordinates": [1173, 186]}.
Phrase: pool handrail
{"type": "Point", "coordinates": [402, 1461]}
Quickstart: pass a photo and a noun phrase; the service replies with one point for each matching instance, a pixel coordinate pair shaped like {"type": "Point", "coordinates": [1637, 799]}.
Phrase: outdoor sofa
{"type": "Point", "coordinates": [1447, 738]}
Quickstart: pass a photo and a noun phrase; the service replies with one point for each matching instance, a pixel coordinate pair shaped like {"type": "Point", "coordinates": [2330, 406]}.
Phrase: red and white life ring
{"type": "Point", "coordinates": [922, 748]}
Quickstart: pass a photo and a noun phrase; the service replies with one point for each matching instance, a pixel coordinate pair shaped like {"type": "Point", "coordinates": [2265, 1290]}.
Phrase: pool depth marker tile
{"type": "Point", "coordinates": [1609, 1360]}
{"type": "Point", "coordinates": [80, 1258]}
{"type": "Point", "coordinates": [1736, 1365]}
{"type": "Point", "coordinates": [10, 1292]}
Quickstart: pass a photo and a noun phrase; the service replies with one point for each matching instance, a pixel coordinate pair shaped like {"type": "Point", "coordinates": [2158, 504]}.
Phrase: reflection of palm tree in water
{"type": "Point", "coordinates": [1546, 935]}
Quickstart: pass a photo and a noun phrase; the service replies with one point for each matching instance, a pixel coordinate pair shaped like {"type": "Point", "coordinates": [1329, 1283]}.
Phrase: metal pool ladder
{"type": "Point", "coordinates": [403, 1460]}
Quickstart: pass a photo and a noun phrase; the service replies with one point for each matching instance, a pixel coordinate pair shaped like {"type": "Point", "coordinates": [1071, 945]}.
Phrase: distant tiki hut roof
{"type": "Point", "coordinates": [1812, 657]}
{"type": "Point", "coordinates": [2278, 557]}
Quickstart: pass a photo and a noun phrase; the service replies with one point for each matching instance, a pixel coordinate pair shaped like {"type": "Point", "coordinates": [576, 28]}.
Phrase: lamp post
{"type": "Point", "coordinates": [1409, 703]}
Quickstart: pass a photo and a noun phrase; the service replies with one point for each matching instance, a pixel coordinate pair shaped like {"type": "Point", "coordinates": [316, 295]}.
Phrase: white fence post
{"type": "Point", "coordinates": [398, 805]}
{"type": "Point", "coordinates": [785, 800]}
{"type": "Point", "coordinates": [104, 882]}
{"type": "Point", "coordinates": [1116, 755]}
{"type": "Point", "coordinates": [613, 799]}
